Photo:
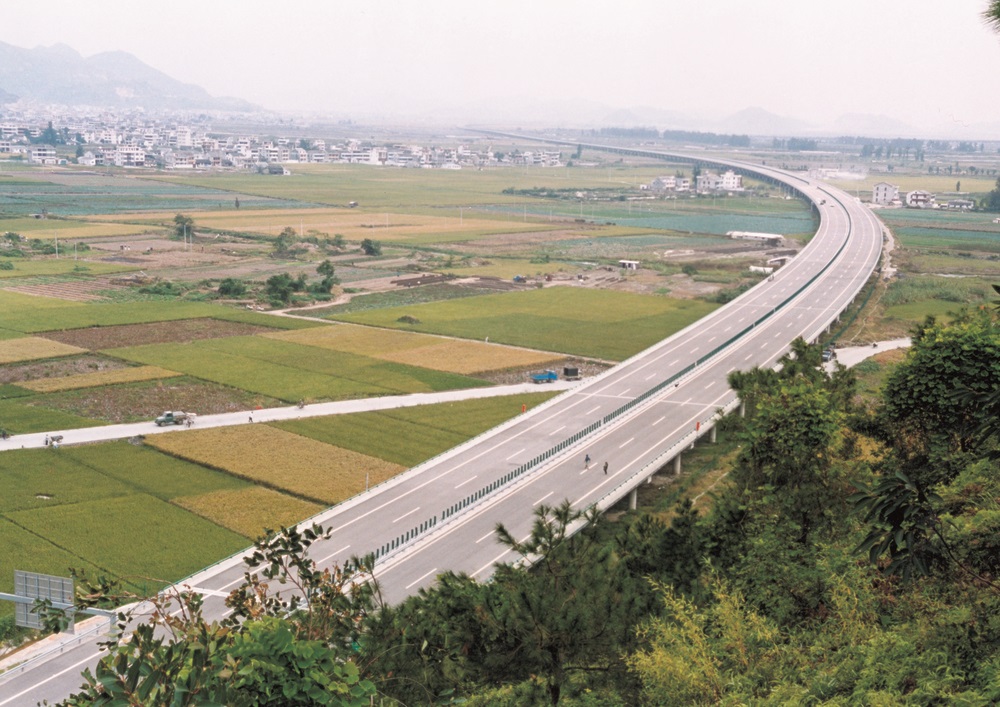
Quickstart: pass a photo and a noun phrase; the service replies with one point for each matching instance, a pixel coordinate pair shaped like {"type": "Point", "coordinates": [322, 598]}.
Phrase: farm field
{"type": "Point", "coordinates": [909, 299]}
{"type": "Point", "coordinates": [67, 228]}
{"type": "Point", "coordinates": [100, 378]}
{"type": "Point", "coordinates": [354, 224]}
{"type": "Point", "coordinates": [291, 372]}
{"type": "Point", "coordinates": [27, 348]}
{"type": "Point", "coordinates": [379, 189]}
{"type": "Point", "coordinates": [957, 263]}
{"type": "Point", "coordinates": [142, 401]}
{"type": "Point", "coordinates": [951, 239]}
{"type": "Point", "coordinates": [786, 218]}
{"type": "Point", "coordinates": [94, 507]}
{"type": "Point", "coordinates": [249, 511]}
{"type": "Point", "coordinates": [409, 436]}
{"type": "Point", "coordinates": [31, 315]}
{"type": "Point", "coordinates": [305, 468]}
{"type": "Point", "coordinates": [438, 353]}
{"type": "Point", "coordinates": [19, 415]}
{"type": "Point", "coordinates": [63, 266]}
{"type": "Point", "coordinates": [77, 193]}
{"type": "Point", "coordinates": [565, 319]}
{"type": "Point", "coordinates": [403, 297]}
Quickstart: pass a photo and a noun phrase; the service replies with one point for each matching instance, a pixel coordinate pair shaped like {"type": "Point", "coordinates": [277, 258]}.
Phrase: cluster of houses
{"type": "Point", "coordinates": [706, 183]}
{"type": "Point", "coordinates": [179, 146]}
{"type": "Point", "coordinates": [885, 194]}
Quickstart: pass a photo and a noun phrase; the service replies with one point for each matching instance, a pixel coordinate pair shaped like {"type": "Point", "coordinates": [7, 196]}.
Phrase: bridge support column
{"type": "Point", "coordinates": [713, 434]}
{"type": "Point", "coordinates": [743, 409]}
{"type": "Point", "coordinates": [677, 465]}
{"type": "Point", "coordinates": [633, 499]}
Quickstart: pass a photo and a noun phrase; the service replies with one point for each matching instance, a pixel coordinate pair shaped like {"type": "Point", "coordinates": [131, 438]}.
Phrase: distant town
{"type": "Point", "coordinates": [112, 141]}
{"type": "Point", "coordinates": [194, 142]}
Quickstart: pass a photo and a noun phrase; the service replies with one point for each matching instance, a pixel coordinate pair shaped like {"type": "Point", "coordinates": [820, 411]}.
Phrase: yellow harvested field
{"type": "Point", "coordinates": [469, 357]}
{"type": "Point", "coordinates": [29, 348]}
{"type": "Point", "coordinates": [356, 339]}
{"type": "Point", "coordinates": [249, 511]}
{"type": "Point", "coordinates": [311, 470]}
{"type": "Point", "coordinates": [352, 224]}
{"type": "Point", "coordinates": [66, 228]}
{"type": "Point", "coordinates": [98, 378]}
{"type": "Point", "coordinates": [435, 352]}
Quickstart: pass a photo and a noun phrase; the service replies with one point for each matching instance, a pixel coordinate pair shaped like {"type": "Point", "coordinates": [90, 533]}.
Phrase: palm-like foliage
{"type": "Point", "coordinates": [992, 15]}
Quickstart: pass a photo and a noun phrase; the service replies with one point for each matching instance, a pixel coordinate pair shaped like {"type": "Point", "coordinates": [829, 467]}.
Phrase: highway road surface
{"type": "Point", "coordinates": [637, 417]}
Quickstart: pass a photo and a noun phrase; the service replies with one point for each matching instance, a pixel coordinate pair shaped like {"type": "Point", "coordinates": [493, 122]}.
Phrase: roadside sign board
{"type": "Point", "coordinates": [58, 590]}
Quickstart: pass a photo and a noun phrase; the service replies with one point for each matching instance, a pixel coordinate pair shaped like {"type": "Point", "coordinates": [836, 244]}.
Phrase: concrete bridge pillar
{"type": "Point", "coordinates": [713, 434]}
{"type": "Point", "coordinates": [633, 498]}
{"type": "Point", "coordinates": [677, 465]}
{"type": "Point", "coordinates": [743, 409]}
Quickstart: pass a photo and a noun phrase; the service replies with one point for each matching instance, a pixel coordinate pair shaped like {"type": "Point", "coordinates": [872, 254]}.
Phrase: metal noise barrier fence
{"type": "Point", "coordinates": [409, 535]}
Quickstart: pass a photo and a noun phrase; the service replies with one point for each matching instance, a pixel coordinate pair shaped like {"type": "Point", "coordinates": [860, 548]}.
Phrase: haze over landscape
{"type": "Point", "coordinates": [770, 67]}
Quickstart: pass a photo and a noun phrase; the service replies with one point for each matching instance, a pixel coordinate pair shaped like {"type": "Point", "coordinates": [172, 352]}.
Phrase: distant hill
{"type": "Point", "coordinates": [59, 74]}
{"type": "Point", "coordinates": [757, 121]}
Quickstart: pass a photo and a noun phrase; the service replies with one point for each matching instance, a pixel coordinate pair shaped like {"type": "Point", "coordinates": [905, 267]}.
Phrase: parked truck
{"type": "Point", "coordinates": [175, 417]}
{"type": "Point", "coordinates": [546, 377]}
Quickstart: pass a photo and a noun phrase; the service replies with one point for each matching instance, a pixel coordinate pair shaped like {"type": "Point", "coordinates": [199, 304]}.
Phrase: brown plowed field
{"type": "Point", "coordinates": [73, 290]}
{"type": "Point", "coordinates": [58, 368]}
{"type": "Point", "coordinates": [182, 331]}
{"type": "Point", "coordinates": [144, 401]}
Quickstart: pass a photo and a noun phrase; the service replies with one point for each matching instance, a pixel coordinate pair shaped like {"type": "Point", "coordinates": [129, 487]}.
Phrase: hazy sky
{"type": "Point", "coordinates": [927, 63]}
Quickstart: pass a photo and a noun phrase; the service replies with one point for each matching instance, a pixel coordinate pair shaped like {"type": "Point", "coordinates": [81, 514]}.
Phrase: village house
{"type": "Point", "coordinates": [919, 199]}
{"type": "Point", "coordinates": [884, 193]}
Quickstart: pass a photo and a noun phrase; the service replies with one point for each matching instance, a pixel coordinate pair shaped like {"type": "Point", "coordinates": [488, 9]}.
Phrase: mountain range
{"type": "Point", "coordinates": [60, 75]}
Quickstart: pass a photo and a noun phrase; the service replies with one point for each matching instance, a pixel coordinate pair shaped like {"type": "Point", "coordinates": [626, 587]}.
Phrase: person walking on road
{"type": "Point", "coordinates": [586, 462]}
{"type": "Point", "coordinates": [605, 468]}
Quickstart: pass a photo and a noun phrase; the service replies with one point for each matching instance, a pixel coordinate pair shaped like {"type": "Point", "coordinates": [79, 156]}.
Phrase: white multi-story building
{"type": "Point", "coordinates": [130, 156]}
{"type": "Point", "coordinates": [184, 136]}
{"type": "Point", "coordinates": [727, 181]}
{"type": "Point", "coordinates": [708, 182]}
{"type": "Point", "coordinates": [919, 199]}
{"type": "Point", "coordinates": [732, 181]}
{"type": "Point", "coordinates": [42, 154]}
{"type": "Point", "coordinates": [884, 193]}
{"type": "Point", "coordinates": [666, 183]}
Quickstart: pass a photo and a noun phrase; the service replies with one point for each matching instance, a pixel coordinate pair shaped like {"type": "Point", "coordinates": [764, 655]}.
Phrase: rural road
{"type": "Point", "coordinates": [106, 433]}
